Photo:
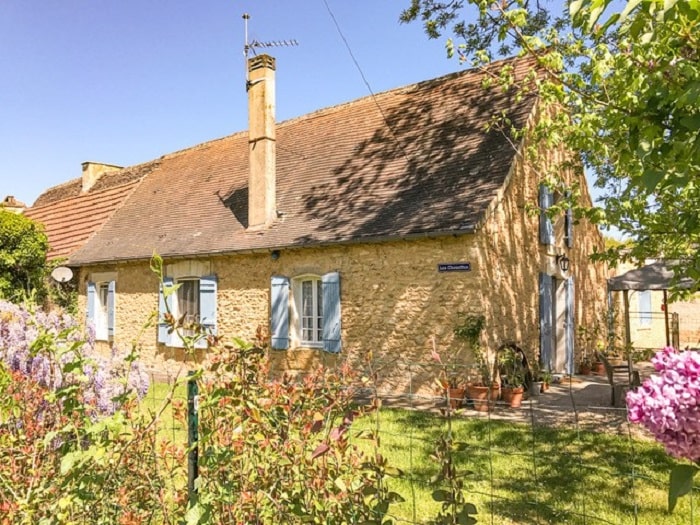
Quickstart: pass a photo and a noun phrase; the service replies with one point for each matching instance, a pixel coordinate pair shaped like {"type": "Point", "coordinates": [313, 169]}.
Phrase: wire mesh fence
{"type": "Point", "coordinates": [563, 456]}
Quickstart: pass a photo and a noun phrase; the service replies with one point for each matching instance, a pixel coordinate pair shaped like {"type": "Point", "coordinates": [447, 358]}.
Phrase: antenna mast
{"type": "Point", "coordinates": [250, 46]}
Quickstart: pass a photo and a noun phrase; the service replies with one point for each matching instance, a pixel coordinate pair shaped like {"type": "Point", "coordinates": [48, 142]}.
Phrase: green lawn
{"type": "Point", "coordinates": [513, 473]}
{"type": "Point", "coordinates": [525, 474]}
{"type": "Point", "coordinates": [170, 427]}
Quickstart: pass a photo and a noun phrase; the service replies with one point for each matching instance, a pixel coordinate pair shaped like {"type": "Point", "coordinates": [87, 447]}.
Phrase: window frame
{"type": "Point", "coordinates": [285, 305]}
{"type": "Point", "coordinates": [297, 304]}
{"type": "Point", "coordinates": [207, 299]}
{"type": "Point", "coordinates": [100, 311]}
{"type": "Point", "coordinates": [101, 314]}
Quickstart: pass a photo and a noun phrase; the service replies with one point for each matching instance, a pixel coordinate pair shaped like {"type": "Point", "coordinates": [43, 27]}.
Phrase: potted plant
{"type": "Point", "coordinates": [537, 383]}
{"type": "Point", "coordinates": [585, 366]}
{"type": "Point", "coordinates": [455, 389]}
{"type": "Point", "coordinates": [449, 382]}
{"type": "Point", "coordinates": [484, 390]}
{"type": "Point", "coordinates": [546, 379]}
{"type": "Point", "coordinates": [513, 375]}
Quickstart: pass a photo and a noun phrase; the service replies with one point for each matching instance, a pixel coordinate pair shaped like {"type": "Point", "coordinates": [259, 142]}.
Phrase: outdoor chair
{"type": "Point", "coordinates": [622, 378]}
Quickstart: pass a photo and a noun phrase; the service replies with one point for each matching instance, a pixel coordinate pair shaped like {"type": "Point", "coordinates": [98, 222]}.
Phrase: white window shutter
{"type": "Point", "coordinates": [279, 312]}
{"type": "Point", "coordinates": [163, 336]}
{"type": "Point", "coordinates": [331, 312]}
{"type": "Point", "coordinates": [111, 314]}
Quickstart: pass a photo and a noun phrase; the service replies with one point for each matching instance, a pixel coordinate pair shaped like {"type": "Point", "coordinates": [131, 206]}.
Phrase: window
{"type": "Point", "coordinates": [310, 317]}
{"type": "Point", "coordinates": [101, 311]}
{"type": "Point", "coordinates": [549, 233]}
{"type": "Point", "coordinates": [308, 296]}
{"type": "Point", "coordinates": [100, 308]}
{"type": "Point", "coordinates": [644, 297]}
{"type": "Point", "coordinates": [569, 222]}
{"type": "Point", "coordinates": [187, 304]}
{"type": "Point", "coordinates": [195, 299]}
{"type": "Point", "coordinates": [546, 199]}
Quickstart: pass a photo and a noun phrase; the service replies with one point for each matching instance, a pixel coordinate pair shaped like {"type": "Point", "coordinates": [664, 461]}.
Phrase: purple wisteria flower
{"type": "Point", "coordinates": [103, 377]}
{"type": "Point", "coordinates": [668, 403]}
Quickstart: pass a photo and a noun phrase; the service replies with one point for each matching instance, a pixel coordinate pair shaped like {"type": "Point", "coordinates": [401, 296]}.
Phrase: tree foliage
{"type": "Point", "coordinates": [23, 247]}
{"type": "Point", "coordinates": [630, 81]}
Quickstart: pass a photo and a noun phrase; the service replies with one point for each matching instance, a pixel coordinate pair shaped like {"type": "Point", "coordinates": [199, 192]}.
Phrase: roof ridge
{"type": "Point", "coordinates": [81, 195]}
{"type": "Point", "coordinates": [330, 109]}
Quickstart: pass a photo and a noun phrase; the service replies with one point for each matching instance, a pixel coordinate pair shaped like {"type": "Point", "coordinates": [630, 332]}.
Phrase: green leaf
{"type": "Point", "coordinates": [395, 497]}
{"type": "Point", "coordinates": [442, 495]}
{"type": "Point", "coordinates": [651, 179]}
{"type": "Point", "coordinates": [681, 483]}
{"type": "Point", "coordinates": [194, 514]}
{"type": "Point", "coordinates": [575, 7]}
{"type": "Point", "coordinates": [341, 484]}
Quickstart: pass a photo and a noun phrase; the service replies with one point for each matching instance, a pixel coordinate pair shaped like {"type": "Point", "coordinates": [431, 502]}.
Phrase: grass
{"type": "Point", "coordinates": [516, 473]}
{"type": "Point", "coordinates": [513, 472]}
{"type": "Point", "coordinates": [170, 427]}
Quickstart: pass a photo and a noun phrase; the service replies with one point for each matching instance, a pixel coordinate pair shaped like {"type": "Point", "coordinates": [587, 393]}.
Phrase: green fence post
{"type": "Point", "coordinates": [192, 437]}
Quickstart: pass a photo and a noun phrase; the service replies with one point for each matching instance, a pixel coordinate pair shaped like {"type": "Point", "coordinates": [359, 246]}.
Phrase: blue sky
{"type": "Point", "coordinates": [126, 81]}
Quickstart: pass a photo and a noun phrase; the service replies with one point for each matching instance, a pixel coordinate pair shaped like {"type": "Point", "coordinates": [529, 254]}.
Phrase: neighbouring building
{"type": "Point", "coordinates": [11, 204]}
{"type": "Point", "coordinates": [371, 226]}
{"type": "Point", "coordinates": [644, 314]}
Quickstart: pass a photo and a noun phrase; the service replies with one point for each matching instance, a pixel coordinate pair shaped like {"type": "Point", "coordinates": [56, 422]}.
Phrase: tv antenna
{"type": "Point", "coordinates": [251, 46]}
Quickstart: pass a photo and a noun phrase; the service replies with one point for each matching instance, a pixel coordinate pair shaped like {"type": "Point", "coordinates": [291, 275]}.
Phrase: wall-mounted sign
{"type": "Point", "coordinates": [454, 267]}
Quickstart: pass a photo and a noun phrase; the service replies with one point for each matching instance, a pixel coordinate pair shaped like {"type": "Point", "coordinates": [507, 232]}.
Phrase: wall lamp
{"type": "Point", "coordinates": [563, 262]}
{"type": "Point", "coordinates": [274, 255]}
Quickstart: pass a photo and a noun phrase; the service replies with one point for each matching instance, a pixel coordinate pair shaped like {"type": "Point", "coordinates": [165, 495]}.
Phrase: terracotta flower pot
{"type": "Point", "coordinates": [495, 392]}
{"type": "Point", "coordinates": [598, 368]}
{"type": "Point", "coordinates": [456, 397]}
{"type": "Point", "coordinates": [480, 397]}
{"type": "Point", "coordinates": [513, 396]}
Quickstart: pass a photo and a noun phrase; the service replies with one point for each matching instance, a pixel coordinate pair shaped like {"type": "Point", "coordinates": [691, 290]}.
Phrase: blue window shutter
{"type": "Point", "coordinates": [331, 312]}
{"type": "Point", "coordinates": [207, 307]}
{"type": "Point", "coordinates": [569, 228]}
{"type": "Point", "coordinates": [546, 227]}
{"type": "Point", "coordinates": [111, 291]}
{"type": "Point", "coordinates": [545, 290]}
{"type": "Point", "coordinates": [163, 336]}
{"type": "Point", "coordinates": [279, 312]}
{"type": "Point", "coordinates": [91, 297]}
{"type": "Point", "coordinates": [569, 325]}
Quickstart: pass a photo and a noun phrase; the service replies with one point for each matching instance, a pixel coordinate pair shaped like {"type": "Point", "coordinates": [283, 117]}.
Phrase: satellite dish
{"type": "Point", "coordinates": [62, 274]}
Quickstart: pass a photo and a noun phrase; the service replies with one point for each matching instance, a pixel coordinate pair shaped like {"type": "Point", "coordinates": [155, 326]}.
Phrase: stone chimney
{"type": "Point", "coordinates": [11, 204]}
{"type": "Point", "coordinates": [92, 171]}
{"type": "Point", "coordinates": [262, 208]}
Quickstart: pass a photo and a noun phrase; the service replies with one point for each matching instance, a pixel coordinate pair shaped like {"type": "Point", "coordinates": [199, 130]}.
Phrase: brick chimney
{"type": "Point", "coordinates": [92, 171]}
{"type": "Point", "coordinates": [262, 208]}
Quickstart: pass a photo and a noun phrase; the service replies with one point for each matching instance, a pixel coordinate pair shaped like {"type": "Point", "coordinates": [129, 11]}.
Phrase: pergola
{"type": "Point", "coordinates": [654, 276]}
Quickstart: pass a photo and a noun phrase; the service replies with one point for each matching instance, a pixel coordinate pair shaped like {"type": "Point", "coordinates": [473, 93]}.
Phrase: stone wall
{"type": "Point", "coordinates": [395, 303]}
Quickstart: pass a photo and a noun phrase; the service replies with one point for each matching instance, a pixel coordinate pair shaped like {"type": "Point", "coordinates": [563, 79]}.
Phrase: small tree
{"type": "Point", "coordinates": [23, 247]}
{"type": "Point", "coordinates": [628, 81]}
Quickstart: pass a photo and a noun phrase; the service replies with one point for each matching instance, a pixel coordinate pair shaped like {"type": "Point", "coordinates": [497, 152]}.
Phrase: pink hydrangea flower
{"type": "Point", "coordinates": [668, 403]}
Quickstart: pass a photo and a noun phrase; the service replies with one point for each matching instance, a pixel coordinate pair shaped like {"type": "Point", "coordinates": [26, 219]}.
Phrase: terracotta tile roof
{"type": "Point", "coordinates": [70, 217]}
{"type": "Point", "coordinates": [343, 175]}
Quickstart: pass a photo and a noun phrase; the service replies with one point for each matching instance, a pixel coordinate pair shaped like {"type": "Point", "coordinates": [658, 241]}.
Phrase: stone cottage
{"type": "Point", "coordinates": [371, 226]}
